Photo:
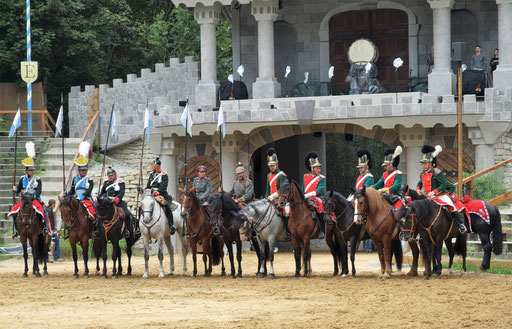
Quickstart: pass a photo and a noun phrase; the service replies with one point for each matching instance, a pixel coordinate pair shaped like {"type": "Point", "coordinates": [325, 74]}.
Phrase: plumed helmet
{"type": "Point", "coordinates": [110, 171]}
{"type": "Point", "coordinates": [272, 157]}
{"type": "Point", "coordinates": [31, 152]}
{"type": "Point", "coordinates": [311, 161]}
{"type": "Point", "coordinates": [430, 153]}
{"type": "Point", "coordinates": [83, 159]}
{"type": "Point", "coordinates": [364, 159]}
{"type": "Point", "coordinates": [392, 156]}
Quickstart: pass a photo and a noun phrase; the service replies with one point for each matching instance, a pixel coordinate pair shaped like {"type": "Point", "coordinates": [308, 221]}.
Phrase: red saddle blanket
{"type": "Point", "coordinates": [90, 207]}
{"type": "Point", "coordinates": [459, 206]}
{"type": "Point", "coordinates": [477, 207]}
{"type": "Point", "coordinates": [38, 207]}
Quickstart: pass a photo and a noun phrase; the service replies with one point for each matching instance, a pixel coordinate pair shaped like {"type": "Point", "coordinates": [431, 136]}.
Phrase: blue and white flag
{"type": "Point", "coordinates": [16, 123]}
{"type": "Point", "coordinates": [221, 123]}
{"type": "Point", "coordinates": [114, 125]}
{"type": "Point", "coordinates": [60, 122]}
{"type": "Point", "coordinates": [186, 120]}
{"type": "Point", "coordinates": [147, 123]}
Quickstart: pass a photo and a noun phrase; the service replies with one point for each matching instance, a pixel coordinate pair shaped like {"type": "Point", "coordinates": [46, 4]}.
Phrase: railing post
{"type": "Point", "coordinates": [43, 122]}
{"type": "Point", "coordinates": [471, 190]}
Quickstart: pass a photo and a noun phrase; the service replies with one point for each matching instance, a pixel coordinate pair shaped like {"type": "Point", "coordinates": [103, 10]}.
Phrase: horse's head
{"type": "Point", "coordinates": [104, 207]}
{"type": "Point", "coordinates": [27, 212]}
{"type": "Point", "coordinates": [407, 222]}
{"type": "Point", "coordinates": [187, 200]}
{"type": "Point", "coordinates": [289, 192]}
{"type": "Point", "coordinates": [215, 207]}
{"type": "Point", "coordinates": [329, 206]}
{"type": "Point", "coordinates": [360, 204]}
{"type": "Point", "coordinates": [147, 205]}
{"type": "Point", "coordinates": [68, 210]}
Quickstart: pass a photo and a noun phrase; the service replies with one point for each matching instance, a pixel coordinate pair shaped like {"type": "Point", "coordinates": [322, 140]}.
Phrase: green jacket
{"type": "Point", "coordinates": [158, 181]}
{"type": "Point", "coordinates": [368, 181]}
{"type": "Point", "coordinates": [397, 183]}
{"type": "Point", "coordinates": [438, 182]}
{"type": "Point", "coordinates": [279, 181]}
{"type": "Point", "coordinates": [320, 188]}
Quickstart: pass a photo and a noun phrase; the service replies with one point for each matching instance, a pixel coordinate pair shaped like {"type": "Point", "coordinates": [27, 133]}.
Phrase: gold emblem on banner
{"type": "Point", "coordinates": [29, 71]}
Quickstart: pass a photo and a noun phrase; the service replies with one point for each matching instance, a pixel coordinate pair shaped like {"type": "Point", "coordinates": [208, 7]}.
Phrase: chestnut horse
{"type": "Point", "coordinates": [29, 225]}
{"type": "Point", "coordinates": [302, 225]}
{"type": "Point", "coordinates": [371, 208]}
{"type": "Point", "coordinates": [75, 220]}
{"type": "Point", "coordinates": [200, 231]}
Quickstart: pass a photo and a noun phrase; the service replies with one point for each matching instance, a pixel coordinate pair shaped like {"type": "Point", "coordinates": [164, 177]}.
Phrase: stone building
{"type": "Point", "coordinates": [310, 36]}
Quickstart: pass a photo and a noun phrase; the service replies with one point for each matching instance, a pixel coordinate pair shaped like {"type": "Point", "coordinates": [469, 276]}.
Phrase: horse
{"type": "Point", "coordinates": [154, 225]}
{"type": "Point", "coordinates": [435, 225]}
{"type": "Point", "coordinates": [110, 228]}
{"type": "Point", "coordinates": [303, 227]}
{"type": "Point", "coordinates": [224, 210]}
{"type": "Point", "coordinates": [262, 219]}
{"type": "Point", "coordinates": [200, 231]}
{"type": "Point", "coordinates": [372, 209]}
{"type": "Point", "coordinates": [28, 222]}
{"type": "Point", "coordinates": [482, 228]}
{"type": "Point", "coordinates": [75, 220]}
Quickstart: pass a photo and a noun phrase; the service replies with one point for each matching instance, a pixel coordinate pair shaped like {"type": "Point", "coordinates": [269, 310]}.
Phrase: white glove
{"type": "Point", "coordinates": [62, 194]}
{"type": "Point", "coordinates": [307, 195]}
{"type": "Point", "coordinates": [272, 196]}
{"type": "Point", "coordinates": [14, 188]}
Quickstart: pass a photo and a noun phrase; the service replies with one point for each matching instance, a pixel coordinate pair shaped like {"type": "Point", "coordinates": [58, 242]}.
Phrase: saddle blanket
{"type": "Point", "coordinates": [478, 207]}
{"type": "Point", "coordinates": [90, 207]}
{"type": "Point", "coordinates": [38, 207]}
{"type": "Point", "coordinates": [458, 205]}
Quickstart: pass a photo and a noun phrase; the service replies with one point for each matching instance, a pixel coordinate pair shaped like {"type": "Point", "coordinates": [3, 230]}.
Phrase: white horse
{"type": "Point", "coordinates": [262, 217]}
{"type": "Point", "coordinates": [154, 225]}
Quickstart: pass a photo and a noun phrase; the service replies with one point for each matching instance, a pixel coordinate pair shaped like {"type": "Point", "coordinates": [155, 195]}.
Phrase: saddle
{"type": "Point", "coordinates": [161, 200]}
{"type": "Point", "coordinates": [391, 199]}
{"type": "Point", "coordinates": [312, 204]}
{"type": "Point", "coordinates": [121, 213]}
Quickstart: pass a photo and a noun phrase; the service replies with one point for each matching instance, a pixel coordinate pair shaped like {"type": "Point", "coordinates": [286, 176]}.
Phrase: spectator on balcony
{"type": "Point", "coordinates": [430, 61]}
{"type": "Point", "coordinates": [478, 60]}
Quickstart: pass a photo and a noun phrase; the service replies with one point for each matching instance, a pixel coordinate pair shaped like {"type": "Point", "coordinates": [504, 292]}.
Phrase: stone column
{"type": "Point", "coordinates": [503, 74]}
{"type": "Point", "coordinates": [265, 13]}
{"type": "Point", "coordinates": [169, 164]}
{"type": "Point", "coordinates": [413, 140]}
{"type": "Point", "coordinates": [206, 90]}
{"type": "Point", "coordinates": [441, 79]}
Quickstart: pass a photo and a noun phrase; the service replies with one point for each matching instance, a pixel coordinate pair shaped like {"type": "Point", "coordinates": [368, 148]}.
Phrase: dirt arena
{"type": "Point", "coordinates": [58, 300]}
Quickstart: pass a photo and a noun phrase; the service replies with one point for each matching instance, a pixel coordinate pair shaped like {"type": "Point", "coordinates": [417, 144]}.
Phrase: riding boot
{"type": "Point", "coordinates": [287, 235]}
{"type": "Point", "coordinates": [321, 221]}
{"type": "Point", "coordinates": [127, 227]}
{"type": "Point", "coordinates": [460, 222]}
{"type": "Point", "coordinates": [137, 229]}
{"type": "Point", "coordinates": [95, 232]}
{"type": "Point", "coordinates": [170, 218]}
{"type": "Point", "coordinates": [15, 232]}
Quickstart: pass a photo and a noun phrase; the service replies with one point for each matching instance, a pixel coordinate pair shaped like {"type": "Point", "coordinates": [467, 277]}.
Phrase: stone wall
{"type": "Point", "coordinates": [502, 152]}
{"type": "Point", "coordinates": [164, 87]}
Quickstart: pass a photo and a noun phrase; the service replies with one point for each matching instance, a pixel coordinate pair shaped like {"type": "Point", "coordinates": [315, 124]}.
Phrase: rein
{"type": "Point", "coordinates": [107, 225]}
{"type": "Point", "coordinates": [381, 222]}
{"type": "Point", "coordinates": [74, 218]}
{"type": "Point", "coordinates": [429, 228]}
{"type": "Point", "coordinates": [302, 203]}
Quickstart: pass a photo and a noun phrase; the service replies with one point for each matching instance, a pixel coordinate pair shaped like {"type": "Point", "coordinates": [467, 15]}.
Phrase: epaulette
{"type": "Point", "coordinates": [370, 174]}
{"type": "Point", "coordinates": [164, 173]}
{"type": "Point", "coordinates": [437, 171]}
{"type": "Point", "coordinates": [399, 172]}
{"type": "Point", "coordinates": [120, 181]}
{"type": "Point", "coordinates": [322, 176]}
{"type": "Point", "coordinates": [37, 177]}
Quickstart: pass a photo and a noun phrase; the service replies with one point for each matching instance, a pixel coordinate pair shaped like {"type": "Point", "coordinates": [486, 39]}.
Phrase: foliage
{"type": "Point", "coordinates": [495, 268]}
{"type": "Point", "coordinates": [341, 169]}
{"type": "Point", "coordinates": [487, 187]}
{"type": "Point", "coordinates": [4, 125]}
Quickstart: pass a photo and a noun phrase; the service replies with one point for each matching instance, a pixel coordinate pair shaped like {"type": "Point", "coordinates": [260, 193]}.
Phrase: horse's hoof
{"type": "Point", "coordinates": [170, 273]}
{"type": "Point", "coordinates": [450, 271]}
{"type": "Point", "coordinates": [24, 275]}
{"type": "Point", "coordinates": [343, 275]}
{"type": "Point", "coordinates": [412, 273]}
{"type": "Point", "coordinates": [232, 276]}
{"type": "Point", "coordinates": [185, 273]}
{"type": "Point", "coordinates": [145, 275]}
{"type": "Point", "coordinates": [103, 276]}
{"type": "Point", "coordinates": [427, 277]}
{"type": "Point", "coordinates": [129, 274]}
{"type": "Point", "coordinates": [207, 275]}
{"type": "Point", "coordinates": [223, 273]}
{"type": "Point", "coordinates": [296, 276]}
{"type": "Point", "coordinates": [193, 276]}
{"type": "Point", "coordinates": [334, 273]}
{"type": "Point", "coordinates": [114, 276]}
{"type": "Point", "coordinates": [438, 275]}
{"type": "Point", "coordinates": [38, 275]}
{"type": "Point", "coordinates": [75, 275]}
{"type": "Point", "coordinates": [259, 275]}
{"type": "Point", "coordinates": [45, 273]}
{"type": "Point", "coordinates": [161, 275]}
{"type": "Point", "coordinates": [239, 275]}
{"type": "Point", "coordinates": [271, 276]}
{"type": "Point", "coordinates": [85, 275]}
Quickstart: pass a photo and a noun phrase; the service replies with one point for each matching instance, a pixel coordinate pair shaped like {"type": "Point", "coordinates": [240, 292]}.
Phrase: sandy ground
{"type": "Point", "coordinates": [458, 300]}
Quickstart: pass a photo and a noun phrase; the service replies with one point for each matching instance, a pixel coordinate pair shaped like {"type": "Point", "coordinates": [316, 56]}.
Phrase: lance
{"type": "Point", "coordinates": [14, 169]}
{"type": "Point", "coordinates": [62, 138]}
{"type": "Point", "coordinates": [186, 145]}
{"type": "Point", "coordinates": [139, 189]}
{"type": "Point", "coordinates": [105, 150]}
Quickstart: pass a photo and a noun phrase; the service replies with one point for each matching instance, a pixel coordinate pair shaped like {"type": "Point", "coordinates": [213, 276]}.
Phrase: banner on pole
{"type": "Point", "coordinates": [29, 71]}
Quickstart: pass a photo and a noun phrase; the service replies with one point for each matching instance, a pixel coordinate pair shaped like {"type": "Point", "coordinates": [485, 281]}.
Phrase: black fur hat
{"type": "Point", "coordinates": [311, 160]}
{"type": "Point", "coordinates": [364, 158]}
{"type": "Point", "coordinates": [392, 156]}
{"type": "Point", "coordinates": [430, 153]}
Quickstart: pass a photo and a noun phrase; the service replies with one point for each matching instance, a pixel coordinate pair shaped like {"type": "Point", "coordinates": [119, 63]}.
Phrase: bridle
{"type": "Point", "coordinates": [301, 202]}
{"type": "Point", "coordinates": [364, 215]}
{"type": "Point", "coordinates": [187, 212]}
{"type": "Point", "coordinates": [26, 219]}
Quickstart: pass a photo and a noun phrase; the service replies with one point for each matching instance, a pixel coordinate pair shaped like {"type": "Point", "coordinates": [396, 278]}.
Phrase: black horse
{"type": "Point", "coordinates": [434, 224]}
{"type": "Point", "coordinates": [110, 227]}
{"type": "Point", "coordinates": [480, 227]}
{"type": "Point", "coordinates": [224, 210]}
{"type": "Point", "coordinates": [343, 230]}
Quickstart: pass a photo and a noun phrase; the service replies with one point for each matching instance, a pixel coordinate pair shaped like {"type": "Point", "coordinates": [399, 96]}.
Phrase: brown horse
{"type": "Point", "coordinates": [29, 225]}
{"type": "Point", "coordinates": [370, 207]}
{"type": "Point", "coordinates": [302, 225]}
{"type": "Point", "coordinates": [75, 220]}
{"type": "Point", "coordinates": [200, 231]}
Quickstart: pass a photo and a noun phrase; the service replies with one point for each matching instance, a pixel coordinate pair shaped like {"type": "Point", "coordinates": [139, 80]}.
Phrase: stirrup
{"type": "Point", "coordinates": [463, 229]}
{"type": "Point", "coordinates": [15, 234]}
{"type": "Point", "coordinates": [216, 230]}
{"type": "Point", "coordinates": [321, 235]}
{"type": "Point", "coordinates": [45, 231]}
{"type": "Point", "coordinates": [66, 236]}
{"type": "Point", "coordinates": [126, 233]}
{"type": "Point", "coordinates": [137, 233]}
{"type": "Point", "coordinates": [172, 229]}
{"type": "Point", "coordinates": [95, 235]}
{"type": "Point", "coordinates": [287, 236]}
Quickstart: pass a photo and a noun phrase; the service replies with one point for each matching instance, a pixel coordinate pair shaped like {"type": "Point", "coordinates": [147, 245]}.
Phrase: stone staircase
{"type": "Point", "coordinates": [48, 166]}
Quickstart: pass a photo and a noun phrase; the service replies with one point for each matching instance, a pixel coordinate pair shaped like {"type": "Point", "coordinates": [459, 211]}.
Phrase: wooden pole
{"type": "Point", "coordinates": [62, 138]}
{"type": "Point", "coordinates": [459, 126]}
{"type": "Point", "coordinates": [139, 189]}
{"type": "Point", "coordinates": [220, 145]}
{"type": "Point", "coordinates": [105, 151]}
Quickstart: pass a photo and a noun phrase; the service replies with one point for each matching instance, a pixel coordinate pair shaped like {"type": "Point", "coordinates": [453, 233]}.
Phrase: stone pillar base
{"type": "Point", "coordinates": [266, 88]}
{"type": "Point", "coordinates": [484, 156]}
{"type": "Point", "coordinates": [502, 77]}
{"type": "Point", "coordinates": [206, 93]}
{"type": "Point", "coordinates": [440, 82]}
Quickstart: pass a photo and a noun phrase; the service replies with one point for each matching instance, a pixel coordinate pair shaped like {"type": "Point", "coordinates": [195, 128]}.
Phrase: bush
{"type": "Point", "coordinates": [488, 187]}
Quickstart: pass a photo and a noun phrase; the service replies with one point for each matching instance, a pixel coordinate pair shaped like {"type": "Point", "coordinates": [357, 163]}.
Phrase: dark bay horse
{"type": "Point", "coordinates": [303, 227]}
{"type": "Point", "coordinates": [75, 220]}
{"type": "Point", "coordinates": [371, 208]}
{"type": "Point", "coordinates": [224, 210]}
{"type": "Point", "coordinates": [435, 225]}
{"type": "Point", "coordinates": [480, 227]}
{"type": "Point", "coordinates": [200, 231]}
{"type": "Point", "coordinates": [110, 228]}
{"type": "Point", "coordinates": [29, 225]}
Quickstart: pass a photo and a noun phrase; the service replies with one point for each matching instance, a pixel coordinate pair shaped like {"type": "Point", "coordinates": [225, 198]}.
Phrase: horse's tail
{"type": "Point", "coordinates": [460, 245]}
{"type": "Point", "coordinates": [497, 234]}
{"type": "Point", "coordinates": [216, 251]}
{"type": "Point", "coordinates": [42, 252]}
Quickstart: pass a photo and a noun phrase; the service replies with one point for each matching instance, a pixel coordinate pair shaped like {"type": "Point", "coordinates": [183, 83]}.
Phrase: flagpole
{"type": "Point", "coordinates": [220, 143]}
{"type": "Point", "coordinates": [186, 145]}
{"type": "Point", "coordinates": [62, 138]}
{"type": "Point", "coordinates": [105, 150]}
{"type": "Point", "coordinates": [140, 171]}
{"type": "Point", "coordinates": [14, 172]}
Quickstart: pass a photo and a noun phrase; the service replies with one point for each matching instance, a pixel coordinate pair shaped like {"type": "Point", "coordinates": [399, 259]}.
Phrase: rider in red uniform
{"type": "Point", "coordinates": [313, 186]}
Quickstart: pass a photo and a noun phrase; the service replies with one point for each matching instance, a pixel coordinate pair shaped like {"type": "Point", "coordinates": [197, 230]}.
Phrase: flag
{"type": "Point", "coordinates": [221, 123]}
{"type": "Point", "coordinates": [16, 123]}
{"type": "Point", "coordinates": [60, 122]}
{"type": "Point", "coordinates": [186, 120]}
{"type": "Point", "coordinates": [147, 123]}
{"type": "Point", "coordinates": [114, 125]}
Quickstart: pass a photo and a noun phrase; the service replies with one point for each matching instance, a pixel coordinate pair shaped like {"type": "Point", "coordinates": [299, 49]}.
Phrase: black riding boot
{"type": "Point", "coordinates": [127, 227]}
{"type": "Point", "coordinates": [137, 229]}
{"type": "Point", "coordinates": [95, 232]}
{"type": "Point", "coordinates": [287, 235]}
{"type": "Point", "coordinates": [15, 232]}
{"type": "Point", "coordinates": [170, 218]}
{"type": "Point", "coordinates": [460, 222]}
{"type": "Point", "coordinates": [322, 225]}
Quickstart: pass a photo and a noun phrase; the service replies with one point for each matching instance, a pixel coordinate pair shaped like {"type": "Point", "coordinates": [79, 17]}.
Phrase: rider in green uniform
{"type": "Point", "coordinates": [157, 182]}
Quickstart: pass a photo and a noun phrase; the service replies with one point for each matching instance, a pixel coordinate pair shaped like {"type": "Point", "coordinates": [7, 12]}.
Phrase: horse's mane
{"type": "Point", "coordinates": [340, 197]}
{"type": "Point", "coordinates": [193, 196]}
{"type": "Point", "coordinates": [375, 201]}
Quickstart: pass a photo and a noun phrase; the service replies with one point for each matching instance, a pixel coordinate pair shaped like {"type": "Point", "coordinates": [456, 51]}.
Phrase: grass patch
{"type": "Point", "coordinates": [67, 252]}
{"type": "Point", "coordinates": [495, 269]}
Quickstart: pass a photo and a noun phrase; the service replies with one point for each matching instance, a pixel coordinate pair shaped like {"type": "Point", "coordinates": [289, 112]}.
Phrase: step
{"type": "Point", "coordinates": [9, 240]}
{"type": "Point", "coordinates": [5, 223]}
